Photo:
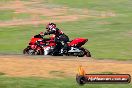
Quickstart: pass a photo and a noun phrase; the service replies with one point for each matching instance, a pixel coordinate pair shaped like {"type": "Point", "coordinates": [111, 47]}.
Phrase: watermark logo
{"type": "Point", "coordinates": [83, 78]}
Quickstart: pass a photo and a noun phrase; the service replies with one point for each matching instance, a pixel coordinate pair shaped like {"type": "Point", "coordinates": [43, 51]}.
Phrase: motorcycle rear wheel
{"type": "Point", "coordinates": [86, 52]}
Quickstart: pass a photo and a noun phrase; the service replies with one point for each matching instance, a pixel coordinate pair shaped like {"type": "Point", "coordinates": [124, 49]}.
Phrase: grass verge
{"type": "Point", "coordinates": [32, 82]}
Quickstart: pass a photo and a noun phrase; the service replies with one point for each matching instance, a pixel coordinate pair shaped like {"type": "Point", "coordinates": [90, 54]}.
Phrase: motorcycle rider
{"type": "Point", "coordinates": [60, 38]}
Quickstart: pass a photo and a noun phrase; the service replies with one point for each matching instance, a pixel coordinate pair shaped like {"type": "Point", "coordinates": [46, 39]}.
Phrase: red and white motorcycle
{"type": "Point", "coordinates": [47, 46]}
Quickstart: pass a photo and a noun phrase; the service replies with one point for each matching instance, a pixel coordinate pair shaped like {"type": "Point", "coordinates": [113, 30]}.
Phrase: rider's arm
{"type": "Point", "coordinates": [38, 36]}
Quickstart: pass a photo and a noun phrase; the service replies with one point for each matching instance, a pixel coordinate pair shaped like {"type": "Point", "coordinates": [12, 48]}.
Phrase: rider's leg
{"type": "Point", "coordinates": [58, 47]}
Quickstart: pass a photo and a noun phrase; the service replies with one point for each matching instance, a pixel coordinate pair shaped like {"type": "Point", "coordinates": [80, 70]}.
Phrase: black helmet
{"type": "Point", "coordinates": [51, 26]}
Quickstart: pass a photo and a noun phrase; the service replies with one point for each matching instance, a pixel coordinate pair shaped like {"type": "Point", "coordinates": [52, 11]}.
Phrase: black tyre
{"type": "Point", "coordinates": [31, 52]}
{"type": "Point", "coordinates": [85, 52]}
{"type": "Point", "coordinates": [25, 51]}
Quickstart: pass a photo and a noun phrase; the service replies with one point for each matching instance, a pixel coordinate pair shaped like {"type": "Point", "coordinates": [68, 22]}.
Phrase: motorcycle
{"type": "Point", "coordinates": [76, 49]}
{"type": "Point", "coordinates": [38, 49]}
{"type": "Point", "coordinates": [47, 47]}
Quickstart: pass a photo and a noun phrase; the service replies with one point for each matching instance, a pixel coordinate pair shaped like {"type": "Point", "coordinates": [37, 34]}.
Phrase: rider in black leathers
{"type": "Point", "coordinates": [60, 38]}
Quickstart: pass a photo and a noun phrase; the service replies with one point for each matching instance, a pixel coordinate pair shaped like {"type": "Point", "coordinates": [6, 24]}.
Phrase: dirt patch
{"type": "Point", "coordinates": [39, 21]}
{"type": "Point", "coordinates": [53, 13]}
{"type": "Point", "coordinates": [58, 66]}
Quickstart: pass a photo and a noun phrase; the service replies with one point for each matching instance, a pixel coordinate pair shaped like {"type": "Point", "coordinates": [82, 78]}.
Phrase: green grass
{"type": "Point", "coordinates": [110, 41]}
{"type": "Point", "coordinates": [3, 1]}
{"type": "Point", "coordinates": [7, 15]}
{"type": "Point", "coordinates": [22, 16]}
{"type": "Point", "coordinates": [106, 72]}
{"type": "Point", "coordinates": [105, 41]}
{"type": "Point", "coordinates": [109, 38]}
{"type": "Point", "coordinates": [15, 39]}
{"type": "Point", "coordinates": [114, 5]}
{"type": "Point", "coordinates": [33, 82]}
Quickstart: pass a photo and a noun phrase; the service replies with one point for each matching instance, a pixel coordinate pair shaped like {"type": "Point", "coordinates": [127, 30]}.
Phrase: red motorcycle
{"type": "Point", "coordinates": [47, 47]}
{"type": "Point", "coordinates": [76, 48]}
{"type": "Point", "coordinates": [38, 49]}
